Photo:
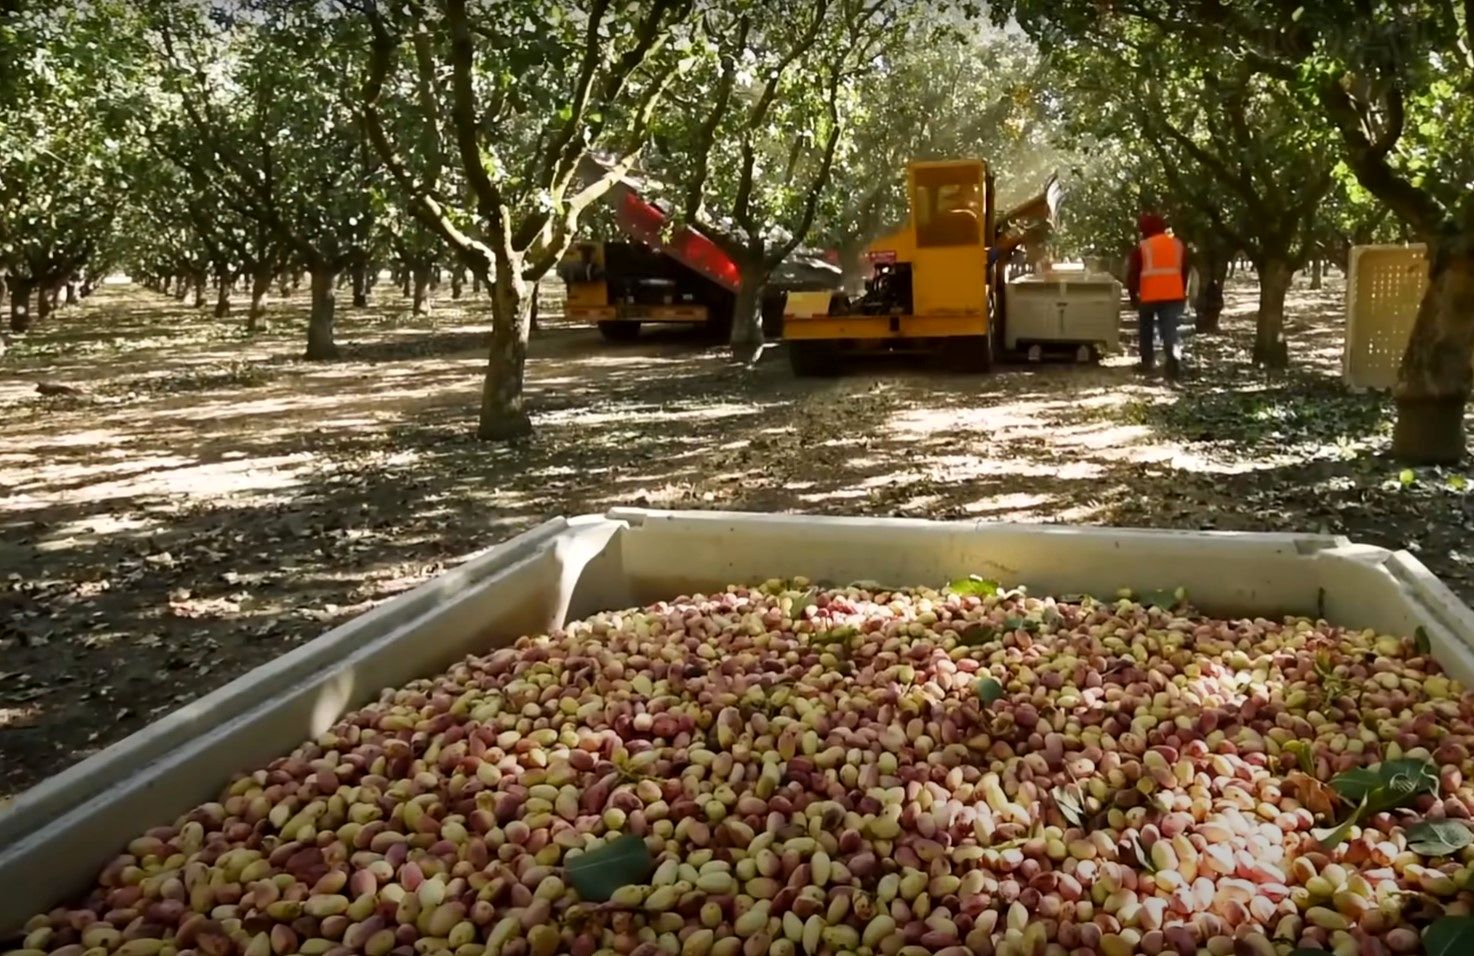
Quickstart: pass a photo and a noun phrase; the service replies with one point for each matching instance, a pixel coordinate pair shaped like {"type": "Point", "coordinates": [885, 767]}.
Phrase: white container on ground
{"type": "Point", "coordinates": [1062, 308]}
{"type": "Point", "coordinates": [56, 837]}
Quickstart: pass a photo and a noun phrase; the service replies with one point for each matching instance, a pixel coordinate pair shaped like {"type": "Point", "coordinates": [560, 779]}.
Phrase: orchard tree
{"type": "Point", "coordinates": [754, 141]}
{"type": "Point", "coordinates": [72, 102]}
{"type": "Point", "coordinates": [1241, 151]}
{"type": "Point", "coordinates": [261, 86]}
{"type": "Point", "coordinates": [1393, 80]}
{"type": "Point", "coordinates": [956, 90]}
{"type": "Point", "coordinates": [485, 123]}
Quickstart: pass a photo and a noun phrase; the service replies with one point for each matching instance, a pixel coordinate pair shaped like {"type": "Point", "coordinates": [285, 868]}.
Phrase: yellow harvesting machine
{"type": "Point", "coordinates": [934, 283]}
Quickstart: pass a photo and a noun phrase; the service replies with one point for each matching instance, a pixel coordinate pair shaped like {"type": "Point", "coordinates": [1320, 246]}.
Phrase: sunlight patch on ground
{"type": "Point", "coordinates": [574, 416]}
{"type": "Point", "coordinates": [996, 503]}
{"type": "Point", "coordinates": [274, 473]}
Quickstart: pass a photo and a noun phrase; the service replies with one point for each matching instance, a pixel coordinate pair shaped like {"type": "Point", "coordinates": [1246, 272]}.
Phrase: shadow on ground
{"type": "Point", "coordinates": [211, 500]}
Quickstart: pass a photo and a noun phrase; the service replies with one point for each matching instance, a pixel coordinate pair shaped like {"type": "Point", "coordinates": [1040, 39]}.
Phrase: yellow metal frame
{"type": "Point", "coordinates": [951, 284]}
{"type": "Point", "coordinates": [883, 327]}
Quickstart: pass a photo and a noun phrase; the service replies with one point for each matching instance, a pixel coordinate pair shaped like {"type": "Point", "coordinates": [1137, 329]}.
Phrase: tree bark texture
{"type": "Point", "coordinates": [1434, 379]}
{"type": "Point", "coordinates": [420, 290]}
{"type": "Point", "coordinates": [256, 315]}
{"type": "Point", "coordinates": [20, 305]}
{"type": "Point", "coordinates": [503, 412]}
{"type": "Point", "coordinates": [1270, 348]}
{"type": "Point", "coordinates": [1208, 309]}
{"type": "Point", "coordinates": [320, 344]}
{"type": "Point", "coordinates": [223, 283]}
{"type": "Point", "coordinates": [747, 316]}
{"type": "Point", "coordinates": [360, 285]}
{"type": "Point", "coordinates": [1317, 274]}
{"type": "Point", "coordinates": [45, 302]}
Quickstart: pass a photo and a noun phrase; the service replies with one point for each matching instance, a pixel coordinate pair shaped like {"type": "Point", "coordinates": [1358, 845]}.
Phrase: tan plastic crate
{"type": "Point", "coordinates": [1384, 285]}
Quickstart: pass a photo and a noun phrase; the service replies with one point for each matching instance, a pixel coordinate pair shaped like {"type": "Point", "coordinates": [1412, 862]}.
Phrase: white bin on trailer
{"type": "Point", "coordinates": [1062, 308]}
{"type": "Point", "coordinates": [57, 836]}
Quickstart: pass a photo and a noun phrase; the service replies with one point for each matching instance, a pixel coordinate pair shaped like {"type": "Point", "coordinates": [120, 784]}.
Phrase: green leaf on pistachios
{"type": "Point", "coordinates": [1163, 599]}
{"type": "Point", "coordinates": [1071, 804]}
{"type": "Point", "coordinates": [974, 586]}
{"type": "Point", "coordinates": [1438, 837]}
{"type": "Point", "coordinates": [1449, 936]}
{"type": "Point", "coordinates": [977, 635]}
{"type": "Point", "coordinates": [1332, 837]}
{"type": "Point", "coordinates": [602, 870]}
{"type": "Point", "coordinates": [1389, 784]}
{"type": "Point", "coordinates": [1421, 642]}
{"type": "Point", "coordinates": [989, 690]}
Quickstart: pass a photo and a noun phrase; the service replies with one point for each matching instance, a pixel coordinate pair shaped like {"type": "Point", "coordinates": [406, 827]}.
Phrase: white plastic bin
{"type": "Point", "coordinates": [56, 837]}
{"type": "Point", "coordinates": [1080, 308]}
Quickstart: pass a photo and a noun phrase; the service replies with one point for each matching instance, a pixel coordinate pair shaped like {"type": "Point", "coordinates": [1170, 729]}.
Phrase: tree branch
{"type": "Point", "coordinates": [464, 117]}
{"type": "Point", "coordinates": [1414, 206]}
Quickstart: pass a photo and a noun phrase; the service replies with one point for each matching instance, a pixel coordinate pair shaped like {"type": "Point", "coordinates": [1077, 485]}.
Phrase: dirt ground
{"type": "Point", "coordinates": [209, 500]}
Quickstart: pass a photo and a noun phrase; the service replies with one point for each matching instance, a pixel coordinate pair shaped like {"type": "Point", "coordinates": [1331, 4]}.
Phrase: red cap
{"type": "Point", "coordinates": [1150, 224]}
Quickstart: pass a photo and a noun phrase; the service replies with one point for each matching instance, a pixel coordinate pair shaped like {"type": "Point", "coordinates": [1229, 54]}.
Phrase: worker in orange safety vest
{"type": "Point", "coordinates": [1156, 282]}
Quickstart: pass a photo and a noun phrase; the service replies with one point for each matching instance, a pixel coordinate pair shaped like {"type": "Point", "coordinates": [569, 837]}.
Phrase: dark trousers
{"type": "Point", "coordinates": [1158, 318]}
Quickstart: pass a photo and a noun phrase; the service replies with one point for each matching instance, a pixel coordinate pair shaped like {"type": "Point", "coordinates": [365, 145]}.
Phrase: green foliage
{"type": "Point", "coordinates": [253, 111]}
{"type": "Point", "coordinates": [754, 140]}
{"type": "Point", "coordinates": [946, 93]}
{"type": "Point", "coordinates": [74, 103]}
{"type": "Point", "coordinates": [1438, 837]}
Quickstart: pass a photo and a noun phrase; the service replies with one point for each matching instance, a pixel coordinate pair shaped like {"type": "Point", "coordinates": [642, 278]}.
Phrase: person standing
{"type": "Point", "coordinates": [1156, 282]}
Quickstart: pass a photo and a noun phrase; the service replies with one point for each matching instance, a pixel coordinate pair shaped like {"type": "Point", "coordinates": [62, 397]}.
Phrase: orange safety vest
{"type": "Point", "coordinates": [1161, 269]}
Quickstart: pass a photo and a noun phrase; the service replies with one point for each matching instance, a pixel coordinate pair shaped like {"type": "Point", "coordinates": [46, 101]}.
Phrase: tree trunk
{"type": "Point", "coordinates": [503, 415]}
{"type": "Point", "coordinates": [87, 288]}
{"type": "Point", "coordinates": [223, 283]}
{"type": "Point", "coordinates": [181, 289]}
{"type": "Point", "coordinates": [475, 284]}
{"type": "Point", "coordinates": [457, 282]}
{"type": "Point", "coordinates": [71, 293]}
{"type": "Point", "coordinates": [45, 302]}
{"type": "Point", "coordinates": [360, 285]}
{"type": "Point", "coordinates": [747, 316]}
{"type": "Point", "coordinates": [320, 345]}
{"type": "Point", "coordinates": [1270, 348]}
{"type": "Point", "coordinates": [284, 285]}
{"type": "Point", "coordinates": [20, 305]}
{"type": "Point", "coordinates": [1208, 310]}
{"type": "Point", "coordinates": [1434, 379]}
{"type": "Point", "coordinates": [297, 280]}
{"type": "Point", "coordinates": [1317, 274]}
{"type": "Point", "coordinates": [256, 317]}
{"type": "Point", "coordinates": [420, 290]}
{"type": "Point", "coordinates": [199, 290]}
{"type": "Point", "coordinates": [405, 278]}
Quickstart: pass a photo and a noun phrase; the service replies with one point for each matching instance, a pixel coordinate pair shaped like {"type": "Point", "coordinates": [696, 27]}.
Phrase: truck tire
{"type": "Point", "coordinates": [810, 359]}
{"type": "Point", "coordinates": [619, 331]}
{"type": "Point", "coordinates": [973, 353]}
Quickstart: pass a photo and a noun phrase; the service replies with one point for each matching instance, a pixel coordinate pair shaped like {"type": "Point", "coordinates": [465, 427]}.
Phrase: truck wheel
{"type": "Point", "coordinates": [973, 353]}
{"type": "Point", "coordinates": [619, 331]}
{"type": "Point", "coordinates": [808, 359]}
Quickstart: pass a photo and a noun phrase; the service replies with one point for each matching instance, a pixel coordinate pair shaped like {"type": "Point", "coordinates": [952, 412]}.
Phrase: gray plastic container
{"type": "Point", "coordinates": [57, 836]}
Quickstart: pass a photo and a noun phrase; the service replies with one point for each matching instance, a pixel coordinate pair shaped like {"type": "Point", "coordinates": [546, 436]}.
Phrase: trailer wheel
{"type": "Point", "coordinates": [812, 359]}
{"type": "Point", "coordinates": [973, 353]}
{"type": "Point", "coordinates": [619, 331]}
